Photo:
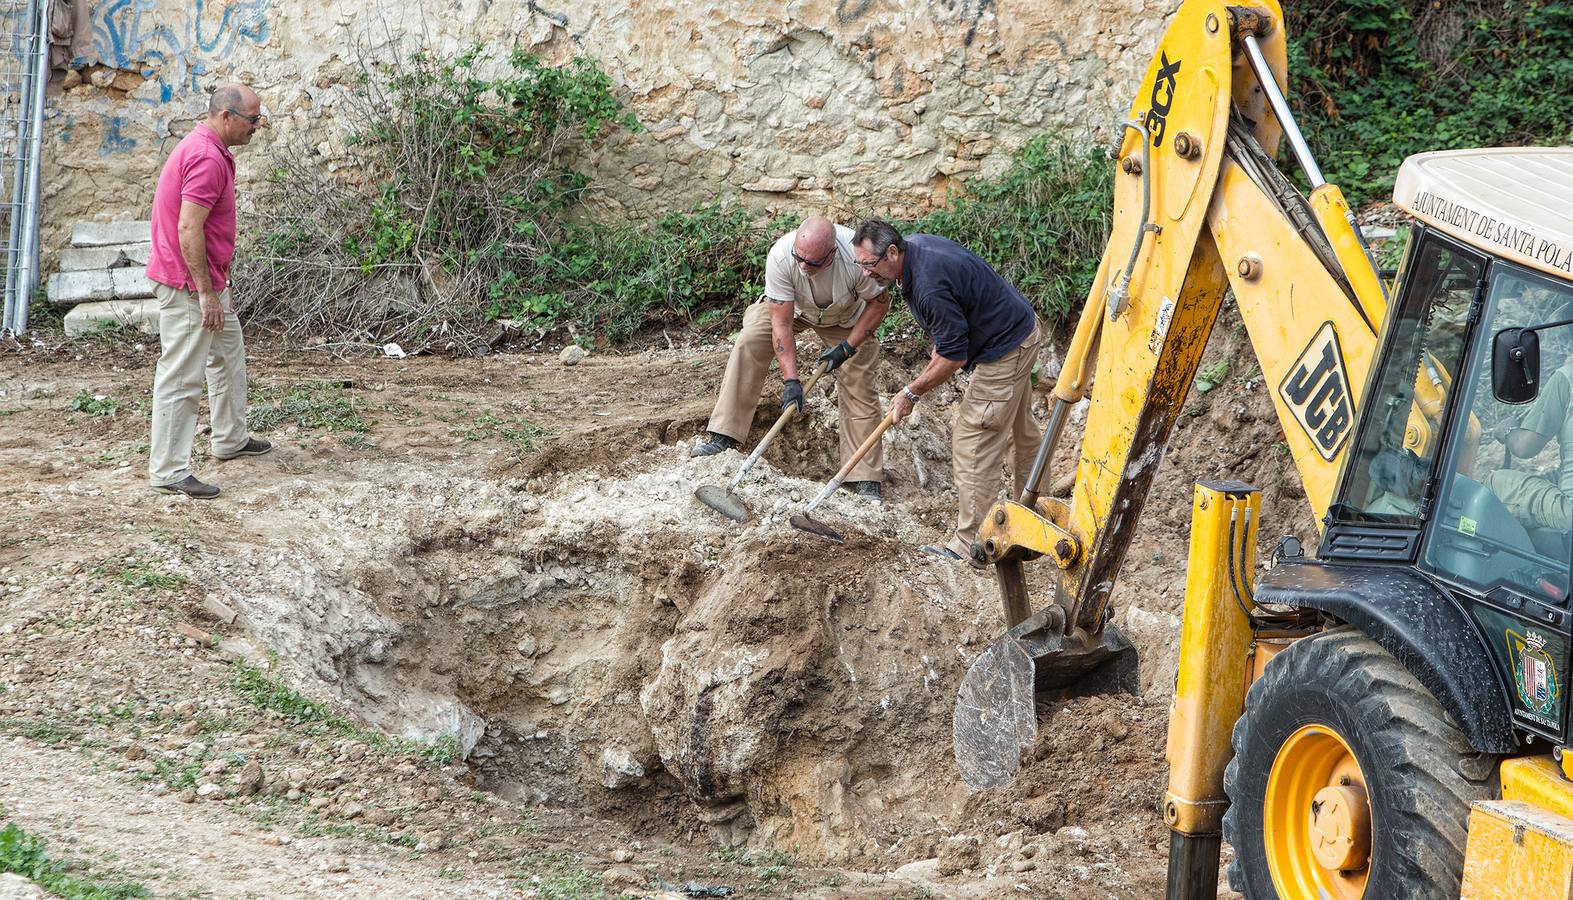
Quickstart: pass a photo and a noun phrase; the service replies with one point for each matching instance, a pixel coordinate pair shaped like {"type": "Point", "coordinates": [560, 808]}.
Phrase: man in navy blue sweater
{"type": "Point", "coordinates": [978, 323]}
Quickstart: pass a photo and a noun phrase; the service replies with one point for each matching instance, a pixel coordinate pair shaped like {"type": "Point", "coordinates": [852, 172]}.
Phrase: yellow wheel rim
{"type": "Point", "coordinates": [1318, 818]}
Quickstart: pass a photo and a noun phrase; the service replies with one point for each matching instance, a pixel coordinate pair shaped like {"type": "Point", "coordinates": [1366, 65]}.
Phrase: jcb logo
{"type": "Point", "coordinates": [1162, 97]}
{"type": "Point", "coordinates": [1317, 392]}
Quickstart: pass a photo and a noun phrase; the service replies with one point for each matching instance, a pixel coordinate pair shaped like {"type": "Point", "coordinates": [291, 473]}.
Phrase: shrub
{"type": "Point", "coordinates": [467, 168]}
{"type": "Point", "coordinates": [691, 265]}
{"type": "Point", "coordinates": [1042, 224]}
{"type": "Point", "coordinates": [1373, 81]}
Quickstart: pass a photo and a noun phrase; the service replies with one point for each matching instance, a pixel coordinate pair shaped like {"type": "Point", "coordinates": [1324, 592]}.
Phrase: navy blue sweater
{"type": "Point", "coordinates": [971, 313]}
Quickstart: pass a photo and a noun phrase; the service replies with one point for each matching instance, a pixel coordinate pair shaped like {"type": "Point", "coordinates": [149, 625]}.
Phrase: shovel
{"type": "Point", "coordinates": [723, 499]}
{"type": "Point", "coordinates": [803, 521]}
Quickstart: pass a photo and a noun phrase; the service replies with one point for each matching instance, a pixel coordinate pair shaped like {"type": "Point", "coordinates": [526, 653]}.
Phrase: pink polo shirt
{"type": "Point", "coordinates": [201, 170]}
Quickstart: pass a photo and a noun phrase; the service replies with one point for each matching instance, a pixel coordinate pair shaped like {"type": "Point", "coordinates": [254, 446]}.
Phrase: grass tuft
{"type": "Point", "coordinates": [27, 855]}
{"type": "Point", "coordinates": [255, 687]}
{"type": "Point", "coordinates": [311, 405]}
{"type": "Point", "coordinates": [95, 405]}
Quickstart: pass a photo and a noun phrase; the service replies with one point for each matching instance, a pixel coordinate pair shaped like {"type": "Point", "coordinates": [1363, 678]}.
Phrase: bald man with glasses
{"type": "Point", "coordinates": [811, 281]}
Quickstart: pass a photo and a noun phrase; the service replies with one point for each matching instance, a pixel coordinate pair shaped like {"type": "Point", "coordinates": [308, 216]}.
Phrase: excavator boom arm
{"type": "Point", "coordinates": [1200, 209]}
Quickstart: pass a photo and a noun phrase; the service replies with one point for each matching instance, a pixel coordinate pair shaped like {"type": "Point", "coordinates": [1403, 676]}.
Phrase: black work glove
{"type": "Point", "coordinates": [792, 395]}
{"type": "Point", "coordinates": [837, 355]}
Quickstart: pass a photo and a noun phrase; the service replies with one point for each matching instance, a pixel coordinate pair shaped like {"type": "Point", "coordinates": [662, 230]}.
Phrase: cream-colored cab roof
{"type": "Point", "coordinates": [1514, 202]}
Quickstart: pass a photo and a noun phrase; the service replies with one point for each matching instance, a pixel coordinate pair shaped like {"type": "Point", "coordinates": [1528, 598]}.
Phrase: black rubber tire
{"type": "Point", "coordinates": [1411, 753]}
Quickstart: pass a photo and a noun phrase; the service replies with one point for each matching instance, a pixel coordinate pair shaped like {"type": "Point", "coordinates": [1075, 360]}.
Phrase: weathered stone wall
{"type": "Point", "coordinates": [863, 104]}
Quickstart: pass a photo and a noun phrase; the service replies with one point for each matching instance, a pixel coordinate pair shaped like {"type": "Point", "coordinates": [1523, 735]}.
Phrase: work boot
{"type": "Point", "coordinates": [191, 487]}
{"type": "Point", "coordinates": [869, 490]}
{"type": "Point", "coordinates": [254, 447]}
{"type": "Point", "coordinates": [718, 443]}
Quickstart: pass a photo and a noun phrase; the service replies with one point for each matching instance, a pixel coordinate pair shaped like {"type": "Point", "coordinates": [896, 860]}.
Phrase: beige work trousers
{"type": "Point", "coordinates": [1533, 500]}
{"type": "Point", "coordinates": [190, 352]}
{"type": "Point", "coordinates": [995, 414]}
{"type": "Point", "coordinates": [745, 378]}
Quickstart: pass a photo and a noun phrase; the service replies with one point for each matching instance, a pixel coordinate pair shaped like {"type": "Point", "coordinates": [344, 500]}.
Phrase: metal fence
{"type": "Point", "coordinates": [24, 71]}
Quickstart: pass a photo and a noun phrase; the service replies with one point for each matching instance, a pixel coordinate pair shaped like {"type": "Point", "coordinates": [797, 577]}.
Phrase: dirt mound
{"type": "Point", "coordinates": [494, 561]}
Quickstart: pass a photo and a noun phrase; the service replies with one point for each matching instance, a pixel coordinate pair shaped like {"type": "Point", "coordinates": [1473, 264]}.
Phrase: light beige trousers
{"type": "Point", "coordinates": [745, 378]}
{"type": "Point", "coordinates": [190, 354]}
{"type": "Point", "coordinates": [1533, 500]}
{"type": "Point", "coordinates": [995, 415]}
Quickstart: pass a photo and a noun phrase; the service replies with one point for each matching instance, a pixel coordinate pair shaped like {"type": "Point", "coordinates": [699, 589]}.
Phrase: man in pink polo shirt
{"type": "Point", "coordinates": [193, 242]}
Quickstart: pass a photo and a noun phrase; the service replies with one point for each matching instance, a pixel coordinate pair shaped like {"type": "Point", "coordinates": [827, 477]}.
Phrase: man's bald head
{"type": "Point", "coordinates": [231, 96]}
{"type": "Point", "coordinates": [234, 113]}
{"type": "Point", "coordinates": [814, 244]}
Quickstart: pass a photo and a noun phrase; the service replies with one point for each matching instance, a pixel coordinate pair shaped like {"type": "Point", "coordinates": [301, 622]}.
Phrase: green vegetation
{"type": "Point", "coordinates": [255, 687]}
{"type": "Point", "coordinates": [473, 180]}
{"type": "Point", "coordinates": [692, 265]}
{"type": "Point", "coordinates": [139, 574]}
{"type": "Point", "coordinates": [1373, 81]}
{"type": "Point", "coordinates": [471, 209]}
{"type": "Point", "coordinates": [1042, 224]}
{"type": "Point", "coordinates": [520, 433]}
{"type": "Point", "coordinates": [474, 215]}
{"type": "Point", "coordinates": [144, 577]}
{"type": "Point", "coordinates": [312, 405]}
{"type": "Point", "coordinates": [557, 876]}
{"type": "Point", "coordinates": [1212, 376]}
{"type": "Point", "coordinates": [44, 732]}
{"type": "Point", "coordinates": [94, 405]}
{"type": "Point", "coordinates": [26, 854]}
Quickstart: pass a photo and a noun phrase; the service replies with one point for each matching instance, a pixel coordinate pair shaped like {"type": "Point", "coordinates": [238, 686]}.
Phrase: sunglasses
{"type": "Point", "coordinates": [814, 263]}
{"type": "Point", "coordinates": [251, 119]}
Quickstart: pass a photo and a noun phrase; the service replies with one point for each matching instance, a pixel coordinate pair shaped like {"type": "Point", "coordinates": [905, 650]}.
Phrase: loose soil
{"type": "Point", "coordinates": [595, 683]}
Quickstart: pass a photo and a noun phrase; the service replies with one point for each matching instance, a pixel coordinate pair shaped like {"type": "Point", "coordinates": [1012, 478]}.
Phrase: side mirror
{"type": "Point", "coordinates": [1515, 365]}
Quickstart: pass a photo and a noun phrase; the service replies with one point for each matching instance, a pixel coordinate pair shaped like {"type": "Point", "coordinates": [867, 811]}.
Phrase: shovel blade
{"type": "Point", "coordinates": [996, 708]}
{"type": "Point", "coordinates": [805, 522]}
{"type": "Point", "coordinates": [724, 502]}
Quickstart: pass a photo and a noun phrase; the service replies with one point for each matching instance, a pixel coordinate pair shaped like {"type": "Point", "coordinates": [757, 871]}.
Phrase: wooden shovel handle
{"type": "Point", "coordinates": [857, 457]}
{"type": "Point", "coordinates": [781, 421]}
{"type": "Point", "coordinates": [862, 451]}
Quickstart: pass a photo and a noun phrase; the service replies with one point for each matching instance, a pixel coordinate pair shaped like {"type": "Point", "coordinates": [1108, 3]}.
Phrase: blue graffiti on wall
{"type": "Point", "coordinates": [114, 141]}
{"type": "Point", "coordinates": [173, 49]}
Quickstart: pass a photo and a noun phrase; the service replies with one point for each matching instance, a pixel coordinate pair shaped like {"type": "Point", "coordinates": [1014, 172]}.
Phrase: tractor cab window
{"type": "Point", "coordinates": [1400, 433]}
{"type": "Point", "coordinates": [1504, 507]}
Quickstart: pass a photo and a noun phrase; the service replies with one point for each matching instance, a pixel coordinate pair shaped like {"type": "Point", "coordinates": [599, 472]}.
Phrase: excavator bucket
{"type": "Point", "coordinates": [996, 715]}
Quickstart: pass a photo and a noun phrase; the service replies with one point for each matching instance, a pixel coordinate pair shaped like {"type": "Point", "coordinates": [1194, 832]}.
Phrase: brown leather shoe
{"type": "Point", "coordinates": [254, 447]}
{"type": "Point", "coordinates": [191, 487]}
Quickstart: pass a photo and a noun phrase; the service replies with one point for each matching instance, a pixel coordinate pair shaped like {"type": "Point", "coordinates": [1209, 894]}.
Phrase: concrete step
{"type": "Point", "coordinates": [70, 288]}
{"type": "Point", "coordinates": [86, 318]}
{"type": "Point", "coordinates": [67, 288]}
{"type": "Point", "coordinates": [131, 283]}
{"type": "Point", "coordinates": [100, 234]}
{"type": "Point", "coordinates": [110, 256]}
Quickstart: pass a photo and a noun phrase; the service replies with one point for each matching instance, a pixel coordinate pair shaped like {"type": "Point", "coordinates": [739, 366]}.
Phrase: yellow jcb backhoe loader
{"type": "Point", "coordinates": [1385, 718]}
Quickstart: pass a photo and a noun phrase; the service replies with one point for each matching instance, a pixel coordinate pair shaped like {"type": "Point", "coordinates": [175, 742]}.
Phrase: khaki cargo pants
{"type": "Point", "coordinates": [745, 378]}
{"type": "Point", "coordinates": [995, 415]}
{"type": "Point", "coordinates": [1532, 499]}
{"type": "Point", "coordinates": [192, 355]}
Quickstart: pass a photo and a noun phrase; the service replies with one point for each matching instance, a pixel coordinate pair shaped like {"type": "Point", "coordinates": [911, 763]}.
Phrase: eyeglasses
{"type": "Point", "coordinates": [254, 119]}
{"type": "Point", "coordinates": [814, 263]}
{"type": "Point", "coordinates": [871, 263]}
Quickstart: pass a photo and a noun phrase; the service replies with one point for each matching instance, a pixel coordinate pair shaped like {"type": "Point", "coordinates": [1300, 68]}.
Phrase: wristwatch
{"type": "Point", "coordinates": [910, 396]}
